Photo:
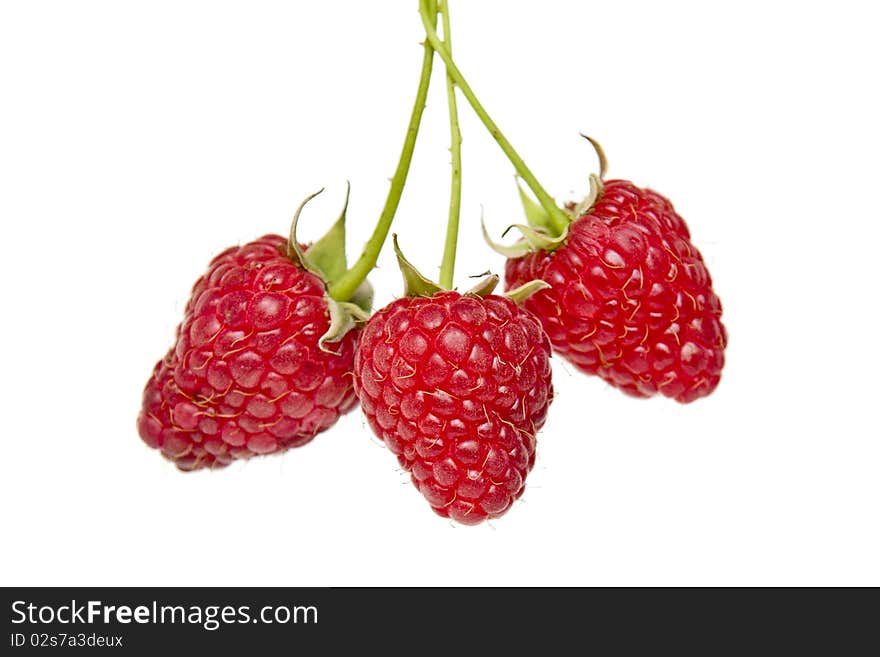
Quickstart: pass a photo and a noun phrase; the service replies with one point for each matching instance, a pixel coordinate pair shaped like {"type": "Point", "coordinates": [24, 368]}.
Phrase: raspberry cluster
{"type": "Point", "coordinates": [277, 341]}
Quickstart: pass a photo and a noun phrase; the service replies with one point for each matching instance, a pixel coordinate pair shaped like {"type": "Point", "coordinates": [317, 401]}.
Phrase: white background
{"type": "Point", "coordinates": [137, 139]}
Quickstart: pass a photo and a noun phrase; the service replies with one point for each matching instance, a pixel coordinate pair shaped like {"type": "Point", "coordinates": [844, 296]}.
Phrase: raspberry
{"type": "Point", "coordinates": [246, 375]}
{"type": "Point", "coordinates": [630, 299]}
{"type": "Point", "coordinates": [457, 386]}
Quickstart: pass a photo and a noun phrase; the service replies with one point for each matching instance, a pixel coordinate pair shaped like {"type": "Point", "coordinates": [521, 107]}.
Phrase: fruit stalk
{"type": "Point", "coordinates": [345, 287]}
{"type": "Point", "coordinates": [447, 267]}
{"type": "Point", "coordinates": [558, 217]}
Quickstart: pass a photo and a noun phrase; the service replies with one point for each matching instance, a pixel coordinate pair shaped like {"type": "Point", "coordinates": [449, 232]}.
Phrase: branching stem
{"type": "Point", "coordinates": [557, 216]}
{"type": "Point", "coordinates": [344, 288]}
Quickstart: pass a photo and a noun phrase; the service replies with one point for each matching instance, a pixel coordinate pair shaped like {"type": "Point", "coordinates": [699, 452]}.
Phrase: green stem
{"type": "Point", "coordinates": [557, 216]}
{"type": "Point", "coordinates": [447, 268]}
{"type": "Point", "coordinates": [344, 288]}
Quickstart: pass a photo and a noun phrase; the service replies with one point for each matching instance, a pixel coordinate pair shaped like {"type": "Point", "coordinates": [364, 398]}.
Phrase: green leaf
{"type": "Point", "coordinates": [414, 283]}
{"type": "Point", "coordinates": [327, 255]}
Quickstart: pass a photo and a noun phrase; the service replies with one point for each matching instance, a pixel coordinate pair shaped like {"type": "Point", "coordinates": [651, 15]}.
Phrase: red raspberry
{"type": "Point", "coordinates": [631, 299]}
{"type": "Point", "coordinates": [246, 375]}
{"type": "Point", "coordinates": [457, 387]}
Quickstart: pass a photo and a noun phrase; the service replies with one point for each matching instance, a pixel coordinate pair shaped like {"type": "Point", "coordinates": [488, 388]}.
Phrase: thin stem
{"type": "Point", "coordinates": [447, 268]}
{"type": "Point", "coordinates": [344, 288]}
{"type": "Point", "coordinates": [557, 216]}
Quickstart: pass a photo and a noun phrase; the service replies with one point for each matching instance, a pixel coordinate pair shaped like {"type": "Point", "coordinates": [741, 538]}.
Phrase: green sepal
{"type": "Point", "coordinates": [534, 239]}
{"type": "Point", "coordinates": [517, 250]}
{"type": "Point", "coordinates": [326, 259]}
{"type": "Point", "coordinates": [600, 153]}
{"type": "Point", "coordinates": [537, 239]}
{"type": "Point", "coordinates": [595, 192]}
{"type": "Point", "coordinates": [485, 287]}
{"type": "Point", "coordinates": [294, 250]}
{"type": "Point", "coordinates": [536, 216]}
{"type": "Point", "coordinates": [596, 186]}
{"type": "Point", "coordinates": [363, 296]}
{"type": "Point", "coordinates": [327, 255]}
{"type": "Point", "coordinates": [414, 283]}
{"type": "Point", "coordinates": [524, 291]}
{"type": "Point", "coordinates": [343, 316]}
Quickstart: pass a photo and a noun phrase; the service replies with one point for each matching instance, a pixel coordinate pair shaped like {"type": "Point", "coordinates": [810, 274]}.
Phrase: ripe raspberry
{"type": "Point", "coordinates": [246, 375]}
{"type": "Point", "coordinates": [631, 299]}
{"type": "Point", "coordinates": [457, 387]}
